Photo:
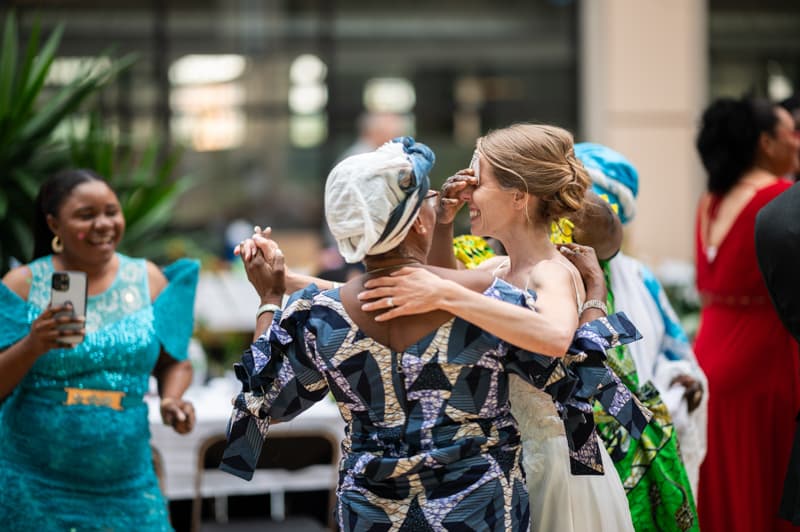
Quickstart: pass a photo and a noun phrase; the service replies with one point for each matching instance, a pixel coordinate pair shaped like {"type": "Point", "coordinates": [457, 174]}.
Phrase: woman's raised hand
{"type": "Point", "coordinates": [264, 263]}
{"type": "Point", "coordinates": [585, 261]}
{"type": "Point", "coordinates": [250, 246]}
{"type": "Point", "coordinates": [405, 292]}
{"type": "Point", "coordinates": [450, 200]}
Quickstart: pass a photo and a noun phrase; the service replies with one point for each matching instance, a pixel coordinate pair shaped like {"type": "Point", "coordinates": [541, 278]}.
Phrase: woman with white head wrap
{"type": "Point", "coordinates": [371, 200]}
{"type": "Point", "coordinates": [431, 442]}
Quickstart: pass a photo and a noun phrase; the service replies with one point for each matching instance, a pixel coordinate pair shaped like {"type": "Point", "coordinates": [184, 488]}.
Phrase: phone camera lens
{"type": "Point", "coordinates": [60, 282]}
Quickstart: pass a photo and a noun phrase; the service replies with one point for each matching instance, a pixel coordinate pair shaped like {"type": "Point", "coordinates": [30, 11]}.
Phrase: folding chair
{"type": "Point", "coordinates": [282, 468]}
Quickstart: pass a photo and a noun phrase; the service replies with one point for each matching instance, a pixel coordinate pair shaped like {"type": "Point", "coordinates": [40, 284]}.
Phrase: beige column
{"type": "Point", "coordinates": [643, 88]}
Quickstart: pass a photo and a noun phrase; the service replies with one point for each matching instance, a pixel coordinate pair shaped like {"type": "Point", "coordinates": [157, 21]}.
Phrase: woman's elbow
{"type": "Point", "coordinates": [558, 343]}
{"type": "Point", "coordinates": [564, 340]}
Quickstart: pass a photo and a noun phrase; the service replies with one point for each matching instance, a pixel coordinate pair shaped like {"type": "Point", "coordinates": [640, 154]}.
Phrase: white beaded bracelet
{"type": "Point", "coordinates": [267, 307]}
{"type": "Point", "coordinates": [593, 303]}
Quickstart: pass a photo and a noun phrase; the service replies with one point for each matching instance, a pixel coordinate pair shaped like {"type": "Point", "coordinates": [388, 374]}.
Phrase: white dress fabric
{"type": "Point", "coordinates": [662, 354]}
{"type": "Point", "coordinates": [561, 501]}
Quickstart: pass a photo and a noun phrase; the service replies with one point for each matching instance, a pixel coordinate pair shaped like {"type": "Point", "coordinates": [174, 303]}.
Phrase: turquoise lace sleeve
{"type": "Point", "coordinates": [15, 317]}
{"type": "Point", "coordinates": [173, 309]}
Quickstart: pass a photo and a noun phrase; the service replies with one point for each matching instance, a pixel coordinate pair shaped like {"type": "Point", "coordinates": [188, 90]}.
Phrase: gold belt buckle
{"type": "Point", "coordinates": [80, 396]}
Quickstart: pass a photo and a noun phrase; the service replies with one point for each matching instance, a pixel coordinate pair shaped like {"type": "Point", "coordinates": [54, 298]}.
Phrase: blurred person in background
{"type": "Point", "coordinates": [660, 470]}
{"type": "Point", "coordinates": [75, 451]}
{"type": "Point", "coordinates": [375, 129]}
{"type": "Point", "coordinates": [792, 104]}
{"type": "Point", "coordinates": [749, 358]}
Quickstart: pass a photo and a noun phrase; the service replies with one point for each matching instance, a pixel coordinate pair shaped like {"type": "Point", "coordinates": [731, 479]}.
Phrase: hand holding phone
{"type": "Point", "coordinates": [69, 288]}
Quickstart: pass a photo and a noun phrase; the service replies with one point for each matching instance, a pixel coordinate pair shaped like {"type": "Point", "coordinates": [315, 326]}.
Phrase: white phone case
{"type": "Point", "coordinates": [69, 287]}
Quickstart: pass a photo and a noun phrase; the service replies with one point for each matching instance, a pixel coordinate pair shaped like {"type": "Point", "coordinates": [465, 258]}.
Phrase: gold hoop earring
{"type": "Point", "coordinates": [56, 245]}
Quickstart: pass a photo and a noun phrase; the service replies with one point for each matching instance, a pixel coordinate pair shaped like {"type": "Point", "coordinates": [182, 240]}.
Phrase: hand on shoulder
{"type": "Point", "coordinates": [552, 272]}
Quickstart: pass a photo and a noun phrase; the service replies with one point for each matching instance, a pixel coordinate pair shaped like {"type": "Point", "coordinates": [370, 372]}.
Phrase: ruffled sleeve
{"type": "Point", "coordinates": [173, 309]}
{"type": "Point", "coordinates": [580, 378]}
{"type": "Point", "coordinates": [15, 317]}
{"type": "Point", "coordinates": [279, 381]}
{"type": "Point", "coordinates": [585, 360]}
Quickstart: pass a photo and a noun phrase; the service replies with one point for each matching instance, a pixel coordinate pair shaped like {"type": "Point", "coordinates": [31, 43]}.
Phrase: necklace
{"type": "Point", "coordinates": [393, 266]}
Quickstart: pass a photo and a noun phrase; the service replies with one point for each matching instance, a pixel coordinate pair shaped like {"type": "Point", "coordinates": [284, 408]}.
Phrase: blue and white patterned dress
{"type": "Point", "coordinates": [89, 466]}
{"type": "Point", "coordinates": [430, 441]}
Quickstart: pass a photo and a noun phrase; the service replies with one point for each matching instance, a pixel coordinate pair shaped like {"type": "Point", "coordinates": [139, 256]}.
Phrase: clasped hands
{"type": "Point", "coordinates": [264, 264]}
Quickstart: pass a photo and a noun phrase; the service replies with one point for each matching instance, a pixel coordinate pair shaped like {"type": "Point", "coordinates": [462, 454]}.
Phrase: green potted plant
{"type": "Point", "coordinates": [29, 151]}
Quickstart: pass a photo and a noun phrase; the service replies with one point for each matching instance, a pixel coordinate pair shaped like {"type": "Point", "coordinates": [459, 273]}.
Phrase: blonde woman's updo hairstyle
{"type": "Point", "coordinates": [539, 160]}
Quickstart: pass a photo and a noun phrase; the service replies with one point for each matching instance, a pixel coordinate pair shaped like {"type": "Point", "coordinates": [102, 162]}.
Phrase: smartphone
{"type": "Point", "coordinates": [69, 287]}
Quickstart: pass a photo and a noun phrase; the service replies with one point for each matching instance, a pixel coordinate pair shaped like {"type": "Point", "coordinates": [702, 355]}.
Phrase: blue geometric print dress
{"type": "Point", "coordinates": [88, 466]}
{"type": "Point", "coordinates": [430, 441]}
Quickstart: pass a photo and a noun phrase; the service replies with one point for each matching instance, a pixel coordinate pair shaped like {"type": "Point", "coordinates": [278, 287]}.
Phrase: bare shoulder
{"type": "Point", "coordinates": [553, 272]}
{"type": "Point", "coordinates": [492, 263]}
{"type": "Point", "coordinates": [19, 280]}
{"type": "Point", "coordinates": [155, 279]}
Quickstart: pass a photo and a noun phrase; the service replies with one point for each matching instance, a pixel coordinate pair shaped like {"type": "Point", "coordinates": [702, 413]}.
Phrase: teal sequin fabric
{"type": "Point", "coordinates": [81, 466]}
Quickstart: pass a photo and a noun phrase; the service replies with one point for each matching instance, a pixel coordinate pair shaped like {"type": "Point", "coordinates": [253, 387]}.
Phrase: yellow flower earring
{"type": "Point", "coordinates": [561, 231]}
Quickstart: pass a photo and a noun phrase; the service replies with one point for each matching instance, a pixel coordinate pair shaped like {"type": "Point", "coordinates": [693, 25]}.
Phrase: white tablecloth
{"type": "Point", "coordinates": [225, 301]}
{"type": "Point", "coordinates": [179, 453]}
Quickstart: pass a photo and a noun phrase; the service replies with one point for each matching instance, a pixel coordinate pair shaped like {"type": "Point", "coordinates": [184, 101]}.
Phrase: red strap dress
{"type": "Point", "coordinates": [753, 372]}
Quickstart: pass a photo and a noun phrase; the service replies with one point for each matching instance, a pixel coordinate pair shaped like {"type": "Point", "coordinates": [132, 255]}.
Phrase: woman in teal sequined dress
{"type": "Point", "coordinates": [75, 452]}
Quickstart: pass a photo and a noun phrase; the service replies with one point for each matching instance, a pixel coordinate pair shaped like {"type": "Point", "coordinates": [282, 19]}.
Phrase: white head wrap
{"type": "Point", "coordinates": [371, 199]}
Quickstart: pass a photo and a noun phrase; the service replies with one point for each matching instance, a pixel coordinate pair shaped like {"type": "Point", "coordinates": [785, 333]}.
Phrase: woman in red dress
{"type": "Point", "coordinates": [750, 359]}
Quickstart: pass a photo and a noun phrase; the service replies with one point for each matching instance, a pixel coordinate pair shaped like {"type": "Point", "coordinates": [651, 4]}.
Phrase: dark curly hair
{"type": "Point", "coordinates": [51, 197]}
{"type": "Point", "coordinates": [728, 138]}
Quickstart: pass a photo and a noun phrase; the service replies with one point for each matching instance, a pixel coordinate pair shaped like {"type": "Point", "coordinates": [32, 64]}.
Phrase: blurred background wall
{"type": "Point", "coordinates": [264, 96]}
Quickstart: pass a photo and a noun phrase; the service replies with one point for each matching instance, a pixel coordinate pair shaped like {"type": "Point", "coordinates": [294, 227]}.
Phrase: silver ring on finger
{"type": "Point", "coordinates": [390, 302]}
